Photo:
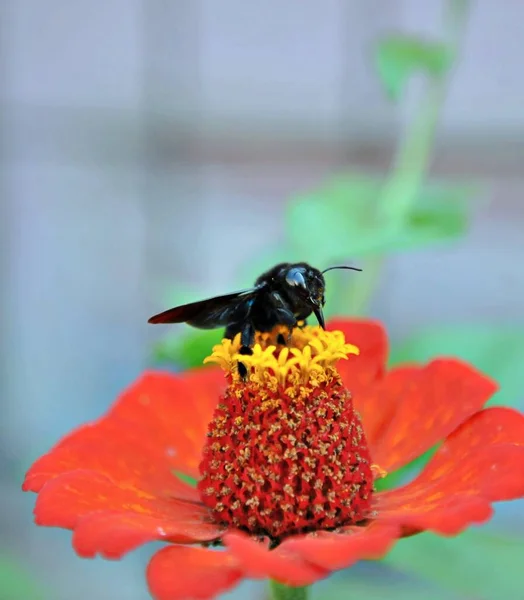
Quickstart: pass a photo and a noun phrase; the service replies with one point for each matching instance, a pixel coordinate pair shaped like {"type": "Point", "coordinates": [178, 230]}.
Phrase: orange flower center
{"type": "Point", "coordinates": [286, 452]}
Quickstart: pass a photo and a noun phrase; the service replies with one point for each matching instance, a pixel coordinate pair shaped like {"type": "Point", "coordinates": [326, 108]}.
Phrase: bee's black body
{"type": "Point", "coordinates": [283, 295]}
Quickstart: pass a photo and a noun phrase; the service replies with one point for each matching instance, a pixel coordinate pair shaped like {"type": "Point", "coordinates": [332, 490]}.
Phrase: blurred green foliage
{"type": "Point", "coordinates": [342, 219]}
{"type": "Point", "coordinates": [474, 563]}
{"type": "Point", "coordinates": [16, 583]}
{"type": "Point", "coordinates": [380, 583]}
{"type": "Point", "coordinates": [398, 57]}
{"type": "Point", "coordinates": [188, 349]}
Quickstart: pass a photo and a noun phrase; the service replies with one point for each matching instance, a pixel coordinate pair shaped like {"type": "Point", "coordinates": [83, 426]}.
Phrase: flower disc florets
{"type": "Point", "coordinates": [286, 452]}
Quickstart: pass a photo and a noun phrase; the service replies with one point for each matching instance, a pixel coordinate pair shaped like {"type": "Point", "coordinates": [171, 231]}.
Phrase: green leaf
{"type": "Point", "coordinates": [340, 220]}
{"type": "Point", "coordinates": [494, 350]}
{"type": "Point", "coordinates": [397, 57]}
{"type": "Point", "coordinates": [397, 478]}
{"type": "Point", "coordinates": [189, 349]}
{"type": "Point", "coordinates": [328, 224]}
{"type": "Point", "coordinates": [474, 563]}
{"type": "Point", "coordinates": [440, 213]}
{"type": "Point", "coordinates": [186, 478]}
{"type": "Point", "coordinates": [16, 582]}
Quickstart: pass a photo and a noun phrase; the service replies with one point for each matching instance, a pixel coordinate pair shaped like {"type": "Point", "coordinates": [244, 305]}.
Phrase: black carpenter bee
{"type": "Point", "coordinates": [284, 295]}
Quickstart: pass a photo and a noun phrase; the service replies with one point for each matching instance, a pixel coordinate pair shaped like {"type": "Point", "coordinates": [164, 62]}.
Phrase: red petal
{"type": "Point", "coordinates": [179, 573]}
{"type": "Point", "coordinates": [497, 425]}
{"type": "Point", "coordinates": [329, 550]}
{"type": "Point", "coordinates": [112, 519]}
{"type": "Point", "coordinates": [174, 412]}
{"type": "Point", "coordinates": [373, 397]}
{"type": "Point", "coordinates": [281, 564]}
{"type": "Point", "coordinates": [207, 383]}
{"type": "Point", "coordinates": [481, 462]}
{"type": "Point", "coordinates": [121, 453]}
{"type": "Point", "coordinates": [371, 339]}
{"type": "Point", "coordinates": [113, 480]}
{"type": "Point", "coordinates": [493, 441]}
{"type": "Point", "coordinates": [378, 402]}
{"type": "Point", "coordinates": [431, 403]}
{"type": "Point", "coordinates": [446, 515]}
{"type": "Point", "coordinates": [114, 533]}
{"type": "Point", "coordinates": [156, 427]}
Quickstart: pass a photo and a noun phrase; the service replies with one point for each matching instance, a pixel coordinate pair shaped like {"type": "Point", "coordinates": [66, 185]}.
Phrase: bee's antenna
{"type": "Point", "coordinates": [341, 267]}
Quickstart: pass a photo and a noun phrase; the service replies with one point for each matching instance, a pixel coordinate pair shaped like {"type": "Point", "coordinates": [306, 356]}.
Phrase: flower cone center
{"type": "Point", "coordinates": [286, 452]}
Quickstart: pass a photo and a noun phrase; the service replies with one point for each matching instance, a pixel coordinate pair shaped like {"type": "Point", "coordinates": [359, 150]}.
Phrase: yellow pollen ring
{"type": "Point", "coordinates": [311, 352]}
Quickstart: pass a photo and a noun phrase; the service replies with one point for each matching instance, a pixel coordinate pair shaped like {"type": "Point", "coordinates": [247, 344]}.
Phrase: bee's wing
{"type": "Point", "coordinates": [206, 314]}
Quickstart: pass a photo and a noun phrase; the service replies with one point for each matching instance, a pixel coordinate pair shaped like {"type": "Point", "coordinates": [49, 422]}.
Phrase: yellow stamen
{"type": "Point", "coordinates": [310, 356]}
{"type": "Point", "coordinates": [378, 471]}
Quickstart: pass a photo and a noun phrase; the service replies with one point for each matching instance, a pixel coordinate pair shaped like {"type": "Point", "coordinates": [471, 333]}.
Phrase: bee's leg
{"type": "Point", "coordinates": [247, 338]}
{"type": "Point", "coordinates": [287, 318]}
{"type": "Point", "coordinates": [284, 340]}
{"type": "Point", "coordinates": [284, 316]}
{"type": "Point", "coordinates": [303, 323]}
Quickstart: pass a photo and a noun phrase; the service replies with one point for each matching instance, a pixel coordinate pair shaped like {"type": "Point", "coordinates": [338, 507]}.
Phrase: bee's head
{"type": "Point", "coordinates": [307, 285]}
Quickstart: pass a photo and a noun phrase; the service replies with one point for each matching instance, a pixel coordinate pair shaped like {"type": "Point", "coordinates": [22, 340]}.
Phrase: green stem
{"type": "Point", "coordinates": [410, 166]}
{"type": "Point", "coordinates": [414, 153]}
{"type": "Point", "coordinates": [279, 591]}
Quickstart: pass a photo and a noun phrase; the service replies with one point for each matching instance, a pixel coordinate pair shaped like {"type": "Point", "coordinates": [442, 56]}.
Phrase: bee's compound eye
{"type": "Point", "coordinates": [295, 278]}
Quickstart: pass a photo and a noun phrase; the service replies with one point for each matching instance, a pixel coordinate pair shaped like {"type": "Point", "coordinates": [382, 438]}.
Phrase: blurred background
{"type": "Point", "coordinates": [157, 151]}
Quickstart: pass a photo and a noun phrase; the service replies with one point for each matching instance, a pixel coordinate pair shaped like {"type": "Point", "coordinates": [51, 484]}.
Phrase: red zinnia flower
{"type": "Point", "coordinates": [287, 467]}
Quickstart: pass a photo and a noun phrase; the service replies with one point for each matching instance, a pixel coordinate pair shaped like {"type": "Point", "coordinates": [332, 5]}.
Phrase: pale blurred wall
{"type": "Point", "coordinates": [148, 142]}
